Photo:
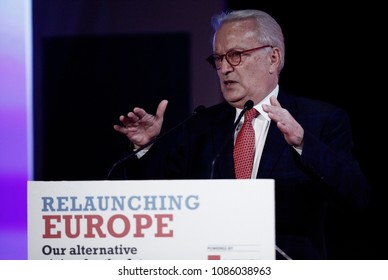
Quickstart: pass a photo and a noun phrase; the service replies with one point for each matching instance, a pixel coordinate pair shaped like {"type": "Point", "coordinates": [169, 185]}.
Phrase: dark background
{"type": "Point", "coordinates": [95, 60]}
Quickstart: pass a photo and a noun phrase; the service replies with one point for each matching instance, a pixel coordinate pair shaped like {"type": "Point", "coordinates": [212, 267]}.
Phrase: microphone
{"type": "Point", "coordinates": [247, 106]}
{"type": "Point", "coordinates": [197, 110]}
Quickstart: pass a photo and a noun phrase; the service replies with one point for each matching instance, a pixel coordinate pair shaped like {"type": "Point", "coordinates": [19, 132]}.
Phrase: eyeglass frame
{"type": "Point", "coordinates": [211, 58]}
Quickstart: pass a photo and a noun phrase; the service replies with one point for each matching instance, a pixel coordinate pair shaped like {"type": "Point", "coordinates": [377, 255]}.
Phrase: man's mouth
{"type": "Point", "coordinates": [228, 83]}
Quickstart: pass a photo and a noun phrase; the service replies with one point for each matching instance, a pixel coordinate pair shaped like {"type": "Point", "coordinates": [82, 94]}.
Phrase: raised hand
{"type": "Point", "coordinates": [293, 132]}
{"type": "Point", "coordinates": [141, 127]}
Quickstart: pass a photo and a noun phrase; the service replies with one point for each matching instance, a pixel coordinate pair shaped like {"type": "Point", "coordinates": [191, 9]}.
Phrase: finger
{"type": "Point", "coordinates": [161, 109]}
{"type": "Point", "coordinates": [131, 118]}
{"type": "Point", "coordinates": [120, 129]}
{"type": "Point", "coordinates": [124, 120]}
{"type": "Point", "coordinates": [273, 108]}
{"type": "Point", "coordinates": [278, 114]}
{"type": "Point", "coordinates": [274, 116]}
{"type": "Point", "coordinates": [139, 113]}
{"type": "Point", "coordinates": [274, 101]}
{"type": "Point", "coordinates": [282, 127]}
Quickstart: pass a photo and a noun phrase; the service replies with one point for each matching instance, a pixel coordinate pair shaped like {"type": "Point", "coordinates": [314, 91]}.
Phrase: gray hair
{"type": "Point", "coordinates": [269, 31]}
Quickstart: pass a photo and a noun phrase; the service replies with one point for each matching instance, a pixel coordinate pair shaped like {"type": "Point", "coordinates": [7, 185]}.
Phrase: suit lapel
{"type": "Point", "coordinates": [273, 148]}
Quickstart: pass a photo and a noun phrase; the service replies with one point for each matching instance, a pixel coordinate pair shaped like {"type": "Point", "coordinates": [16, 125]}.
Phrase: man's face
{"type": "Point", "coordinates": [253, 78]}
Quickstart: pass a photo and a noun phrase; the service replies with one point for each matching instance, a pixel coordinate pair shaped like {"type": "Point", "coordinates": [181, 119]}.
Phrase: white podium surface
{"type": "Point", "coordinates": [151, 220]}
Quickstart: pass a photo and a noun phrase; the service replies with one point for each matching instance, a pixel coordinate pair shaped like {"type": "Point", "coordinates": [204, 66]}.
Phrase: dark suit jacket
{"type": "Point", "coordinates": [305, 185]}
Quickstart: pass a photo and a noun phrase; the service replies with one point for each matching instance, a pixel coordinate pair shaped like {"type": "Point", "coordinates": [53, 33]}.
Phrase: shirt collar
{"type": "Point", "coordinates": [259, 106]}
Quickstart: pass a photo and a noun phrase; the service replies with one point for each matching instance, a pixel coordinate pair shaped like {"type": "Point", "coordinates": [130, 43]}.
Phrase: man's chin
{"type": "Point", "coordinates": [235, 102]}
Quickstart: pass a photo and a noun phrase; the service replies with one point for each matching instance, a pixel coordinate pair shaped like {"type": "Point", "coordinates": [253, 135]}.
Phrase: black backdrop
{"type": "Point", "coordinates": [86, 81]}
{"type": "Point", "coordinates": [90, 80]}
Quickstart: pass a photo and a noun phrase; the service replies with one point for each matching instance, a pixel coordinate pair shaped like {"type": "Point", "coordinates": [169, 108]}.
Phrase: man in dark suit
{"type": "Point", "coordinates": [305, 145]}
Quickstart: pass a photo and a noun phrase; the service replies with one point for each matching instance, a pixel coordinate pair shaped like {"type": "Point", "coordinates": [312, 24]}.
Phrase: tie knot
{"type": "Point", "coordinates": [250, 115]}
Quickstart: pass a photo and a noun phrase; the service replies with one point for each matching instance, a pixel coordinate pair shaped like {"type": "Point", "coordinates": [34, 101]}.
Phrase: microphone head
{"type": "Point", "coordinates": [248, 105]}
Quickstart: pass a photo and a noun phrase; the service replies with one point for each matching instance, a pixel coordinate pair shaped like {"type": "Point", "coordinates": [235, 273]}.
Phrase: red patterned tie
{"type": "Point", "coordinates": [244, 148]}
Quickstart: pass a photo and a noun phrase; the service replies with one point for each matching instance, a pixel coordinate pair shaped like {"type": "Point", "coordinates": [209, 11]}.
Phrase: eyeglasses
{"type": "Point", "coordinates": [233, 57]}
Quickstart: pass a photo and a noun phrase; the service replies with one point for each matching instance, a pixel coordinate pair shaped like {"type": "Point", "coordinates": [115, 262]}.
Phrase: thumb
{"type": "Point", "coordinates": [161, 109]}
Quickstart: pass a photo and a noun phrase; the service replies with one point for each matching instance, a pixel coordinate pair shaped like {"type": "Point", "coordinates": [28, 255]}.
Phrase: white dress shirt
{"type": "Point", "coordinates": [261, 126]}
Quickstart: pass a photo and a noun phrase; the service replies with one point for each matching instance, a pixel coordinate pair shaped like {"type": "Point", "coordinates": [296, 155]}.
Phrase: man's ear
{"type": "Point", "coordinates": [275, 60]}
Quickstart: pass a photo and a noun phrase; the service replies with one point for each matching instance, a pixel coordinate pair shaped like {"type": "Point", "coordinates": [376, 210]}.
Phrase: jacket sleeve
{"type": "Point", "coordinates": [330, 158]}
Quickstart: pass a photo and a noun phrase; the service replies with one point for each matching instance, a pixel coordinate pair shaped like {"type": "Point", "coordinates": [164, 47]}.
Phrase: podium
{"type": "Point", "coordinates": [151, 219]}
